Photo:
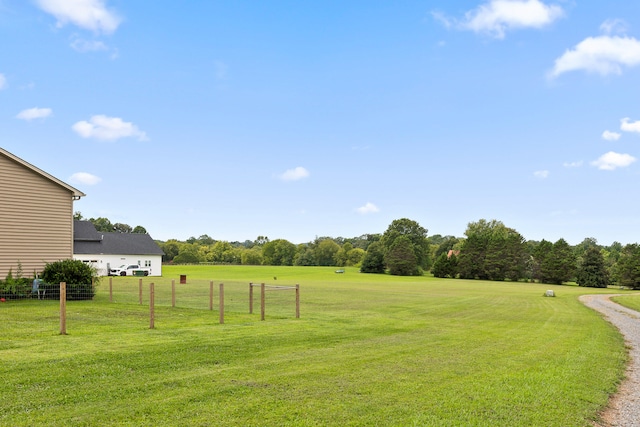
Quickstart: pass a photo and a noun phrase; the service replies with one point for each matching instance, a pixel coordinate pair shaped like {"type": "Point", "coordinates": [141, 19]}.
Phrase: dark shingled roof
{"type": "Point", "coordinates": [88, 241]}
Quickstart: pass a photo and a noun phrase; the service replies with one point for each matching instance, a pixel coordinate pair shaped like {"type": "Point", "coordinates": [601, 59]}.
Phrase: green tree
{"type": "Point", "coordinates": [540, 255]}
{"type": "Point", "coordinates": [342, 256]}
{"type": "Point", "coordinates": [138, 229]}
{"type": "Point", "coordinates": [122, 228]}
{"type": "Point", "coordinates": [416, 235]}
{"type": "Point", "coordinates": [401, 258]}
{"type": "Point", "coordinates": [278, 252]}
{"type": "Point", "coordinates": [326, 251]}
{"type": "Point", "coordinates": [373, 261]}
{"type": "Point", "coordinates": [492, 251]}
{"type": "Point", "coordinates": [170, 248]}
{"type": "Point", "coordinates": [592, 272]}
{"type": "Point", "coordinates": [627, 269]}
{"type": "Point", "coordinates": [251, 256]}
{"type": "Point", "coordinates": [445, 266]}
{"type": "Point", "coordinates": [188, 254]}
{"type": "Point", "coordinates": [305, 255]}
{"type": "Point", "coordinates": [355, 257]}
{"type": "Point", "coordinates": [560, 266]}
{"type": "Point", "coordinates": [102, 224]}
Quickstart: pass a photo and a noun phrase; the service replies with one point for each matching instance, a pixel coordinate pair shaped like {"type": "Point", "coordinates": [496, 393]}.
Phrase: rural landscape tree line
{"type": "Point", "coordinates": [488, 251]}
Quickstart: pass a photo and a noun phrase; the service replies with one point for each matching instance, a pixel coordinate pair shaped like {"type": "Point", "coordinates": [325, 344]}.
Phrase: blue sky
{"type": "Point", "coordinates": [297, 119]}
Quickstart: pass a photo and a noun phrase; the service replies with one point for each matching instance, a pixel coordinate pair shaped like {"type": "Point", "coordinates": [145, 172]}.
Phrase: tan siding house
{"type": "Point", "coordinates": [36, 217]}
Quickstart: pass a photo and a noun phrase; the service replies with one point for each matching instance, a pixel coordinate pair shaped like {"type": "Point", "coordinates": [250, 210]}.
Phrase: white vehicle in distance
{"type": "Point", "coordinates": [130, 270]}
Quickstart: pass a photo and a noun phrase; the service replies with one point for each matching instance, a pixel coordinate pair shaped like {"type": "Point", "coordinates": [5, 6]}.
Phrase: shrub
{"type": "Point", "coordinates": [78, 276]}
{"type": "Point", "coordinates": [15, 287]}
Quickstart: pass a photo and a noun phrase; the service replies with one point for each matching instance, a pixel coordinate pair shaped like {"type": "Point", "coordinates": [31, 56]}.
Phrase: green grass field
{"type": "Point", "coordinates": [368, 350]}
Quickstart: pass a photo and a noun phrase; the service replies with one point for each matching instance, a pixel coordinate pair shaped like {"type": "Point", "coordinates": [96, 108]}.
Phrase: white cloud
{"type": "Point", "coordinates": [294, 174]}
{"type": "Point", "coordinates": [367, 209]}
{"type": "Point", "coordinates": [34, 113]}
{"type": "Point", "coordinates": [3, 81]}
{"type": "Point", "coordinates": [629, 126]}
{"type": "Point", "coordinates": [496, 17]}
{"type": "Point", "coordinates": [84, 178]}
{"type": "Point", "coordinates": [611, 160]}
{"type": "Point", "coordinates": [572, 164]}
{"type": "Point", "coordinates": [88, 14]}
{"type": "Point", "coordinates": [611, 26]}
{"type": "Point", "coordinates": [83, 46]}
{"type": "Point", "coordinates": [603, 55]}
{"type": "Point", "coordinates": [610, 136]}
{"type": "Point", "coordinates": [541, 174]}
{"type": "Point", "coordinates": [108, 128]}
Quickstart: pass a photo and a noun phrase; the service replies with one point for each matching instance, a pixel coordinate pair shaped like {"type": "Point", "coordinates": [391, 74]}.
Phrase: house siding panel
{"type": "Point", "coordinates": [36, 219]}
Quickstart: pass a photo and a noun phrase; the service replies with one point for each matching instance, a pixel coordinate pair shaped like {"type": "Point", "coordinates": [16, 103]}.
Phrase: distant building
{"type": "Point", "coordinates": [36, 217]}
{"type": "Point", "coordinates": [104, 251]}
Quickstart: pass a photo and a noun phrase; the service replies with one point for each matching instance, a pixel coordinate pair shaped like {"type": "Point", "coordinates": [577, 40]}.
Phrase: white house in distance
{"type": "Point", "coordinates": [104, 251]}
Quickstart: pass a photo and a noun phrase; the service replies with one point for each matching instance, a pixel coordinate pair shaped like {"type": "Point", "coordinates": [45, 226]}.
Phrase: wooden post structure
{"type": "Point", "coordinates": [211, 295]}
{"type": "Point", "coordinates": [173, 293]}
{"type": "Point", "coordinates": [250, 298]}
{"type": "Point", "coordinates": [63, 308]}
{"type": "Point", "coordinates": [151, 306]}
{"type": "Point", "coordinates": [140, 291]}
{"type": "Point", "coordinates": [110, 289]}
{"type": "Point", "coordinates": [297, 301]}
{"type": "Point", "coordinates": [262, 292]}
{"type": "Point", "coordinates": [221, 303]}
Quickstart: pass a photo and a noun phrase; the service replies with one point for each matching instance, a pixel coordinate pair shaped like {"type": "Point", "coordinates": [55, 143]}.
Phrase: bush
{"type": "Point", "coordinates": [15, 287]}
{"type": "Point", "coordinates": [78, 276]}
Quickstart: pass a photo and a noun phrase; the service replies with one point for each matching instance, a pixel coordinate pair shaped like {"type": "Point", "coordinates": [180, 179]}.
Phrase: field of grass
{"type": "Point", "coordinates": [368, 350]}
{"type": "Point", "coordinates": [631, 301]}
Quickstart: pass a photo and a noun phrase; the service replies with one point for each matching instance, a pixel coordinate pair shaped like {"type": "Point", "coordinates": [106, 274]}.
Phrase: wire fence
{"type": "Point", "coordinates": [230, 300]}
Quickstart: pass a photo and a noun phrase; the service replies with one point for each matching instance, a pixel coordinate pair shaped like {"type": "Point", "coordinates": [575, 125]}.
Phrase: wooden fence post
{"type": "Point", "coordinates": [297, 301]}
{"type": "Point", "coordinates": [173, 293]}
{"type": "Point", "coordinates": [221, 303]}
{"type": "Point", "coordinates": [110, 289]}
{"type": "Point", "coordinates": [262, 291]}
{"type": "Point", "coordinates": [140, 291]}
{"type": "Point", "coordinates": [250, 298]}
{"type": "Point", "coordinates": [151, 306]}
{"type": "Point", "coordinates": [211, 295]}
{"type": "Point", "coordinates": [63, 308]}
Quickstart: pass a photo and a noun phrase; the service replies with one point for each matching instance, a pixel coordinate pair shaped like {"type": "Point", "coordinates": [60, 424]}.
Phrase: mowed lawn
{"type": "Point", "coordinates": [368, 350]}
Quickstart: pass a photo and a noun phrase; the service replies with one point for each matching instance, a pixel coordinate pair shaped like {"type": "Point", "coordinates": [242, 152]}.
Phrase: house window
{"type": "Point", "coordinates": [147, 263]}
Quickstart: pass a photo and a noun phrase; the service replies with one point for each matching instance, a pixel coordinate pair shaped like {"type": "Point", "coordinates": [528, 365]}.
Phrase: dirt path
{"type": "Point", "coordinates": [624, 406]}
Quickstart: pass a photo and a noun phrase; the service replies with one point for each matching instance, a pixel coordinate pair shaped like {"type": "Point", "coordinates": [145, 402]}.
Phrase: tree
{"type": "Point", "coordinates": [122, 228]}
{"type": "Point", "coordinates": [355, 256]}
{"type": "Point", "coordinates": [342, 255]}
{"type": "Point", "coordinates": [416, 236]}
{"type": "Point", "coordinates": [278, 252]}
{"type": "Point", "coordinates": [401, 258]}
{"type": "Point", "coordinates": [102, 224]}
{"type": "Point", "coordinates": [627, 269]}
{"type": "Point", "coordinates": [592, 271]}
{"type": "Point", "coordinates": [305, 256]}
{"type": "Point", "coordinates": [445, 266]}
{"type": "Point", "coordinates": [188, 254]}
{"type": "Point", "coordinates": [138, 229]}
{"type": "Point", "coordinates": [492, 251]}
{"type": "Point", "coordinates": [373, 261]}
{"type": "Point", "coordinates": [251, 256]}
{"type": "Point", "coordinates": [560, 266]}
{"type": "Point", "coordinates": [326, 251]}
{"type": "Point", "coordinates": [170, 248]}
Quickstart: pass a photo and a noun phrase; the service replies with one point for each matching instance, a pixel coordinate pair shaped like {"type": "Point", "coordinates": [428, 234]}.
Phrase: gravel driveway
{"type": "Point", "coordinates": [623, 409]}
